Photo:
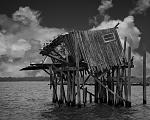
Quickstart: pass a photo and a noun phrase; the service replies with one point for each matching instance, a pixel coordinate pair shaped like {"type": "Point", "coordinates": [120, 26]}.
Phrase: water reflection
{"type": "Point", "coordinates": [90, 112]}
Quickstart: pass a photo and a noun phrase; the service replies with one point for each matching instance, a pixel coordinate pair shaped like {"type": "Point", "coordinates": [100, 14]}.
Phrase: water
{"type": "Point", "coordinates": [32, 101]}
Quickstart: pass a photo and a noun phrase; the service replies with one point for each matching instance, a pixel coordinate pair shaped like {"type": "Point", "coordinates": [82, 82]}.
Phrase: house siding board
{"type": "Point", "coordinates": [89, 47]}
{"type": "Point", "coordinates": [70, 44]}
{"type": "Point", "coordinates": [84, 49]}
{"type": "Point", "coordinates": [111, 55]}
{"type": "Point", "coordinates": [101, 41]}
{"type": "Point", "coordinates": [100, 49]}
{"type": "Point", "coordinates": [95, 50]}
{"type": "Point", "coordinates": [114, 52]}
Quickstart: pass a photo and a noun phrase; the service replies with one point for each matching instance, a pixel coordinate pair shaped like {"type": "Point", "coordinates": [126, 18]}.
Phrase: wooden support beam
{"type": "Point", "coordinates": [50, 55]}
{"type": "Point", "coordinates": [85, 81]}
{"type": "Point", "coordinates": [84, 95]}
{"type": "Point", "coordinates": [144, 77]}
{"type": "Point", "coordinates": [61, 97]}
{"type": "Point", "coordinates": [104, 90]}
{"type": "Point", "coordinates": [90, 97]}
{"type": "Point", "coordinates": [128, 104]}
{"type": "Point", "coordinates": [82, 77]}
{"type": "Point", "coordinates": [73, 97]}
{"type": "Point", "coordinates": [89, 92]}
{"type": "Point", "coordinates": [121, 103]}
{"type": "Point", "coordinates": [124, 49]}
{"type": "Point", "coordinates": [109, 81]}
{"type": "Point", "coordinates": [68, 69]}
{"type": "Point", "coordinates": [77, 74]}
{"type": "Point", "coordinates": [112, 84]}
{"type": "Point", "coordinates": [101, 91]}
{"type": "Point", "coordinates": [117, 86]}
{"type": "Point", "coordinates": [68, 89]}
{"type": "Point", "coordinates": [115, 94]}
{"type": "Point", "coordinates": [124, 74]}
{"type": "Point", "coordinates": [96, 92]}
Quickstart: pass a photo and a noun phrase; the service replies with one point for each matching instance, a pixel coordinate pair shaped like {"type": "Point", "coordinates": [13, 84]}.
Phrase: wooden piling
{"type": "Point", "coordinates": [109, 81]}
{"type": "Point", "coordinates": [128, 104]}
{"type": "Point", "coordinates": [90, 98]}
{"type": "Point", "coordinates": [61, 97]}
{"type": "Point", "coordinates": [77, 74]}
{"type": "Point", "coordinates": [68, 89]}
{"type": "Point", "coordinates": [73, 98]}
{"type": "Point", "coordinates": [84, 95]}
{"type": "Point", "coordinates": [124, 75]}
{"type": "Point", "coordinates": [112, 84]}
{"type": "Point", "coordinates": [104, 91]}
{"type": "Point", "coordinates": [55, 98]}
{"type": "Point", "coordinates": [101, 91]}
{"type": "Point", "coordinates": [121, 103]}
{"type": "Point", "coordinates": [144, 77]}
{"type": "Point", "coordinates": [96, 92]}
{"type": "Point", "coordinates": [117, 86]}
{"type": "Point", "coordinates": [82, 77]}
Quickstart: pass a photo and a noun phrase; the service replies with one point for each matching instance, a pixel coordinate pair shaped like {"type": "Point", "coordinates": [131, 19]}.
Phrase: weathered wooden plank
{"type": "Point", "coordinates": [73, 98]}
{"type": "Point", "coordinates": [77, 73]}
{"type": "Point", "coordinates": [129, 77]}
{"type": "Point", "coordinates": [106, 87]}
{"type": "Point", "coordinates": [144, 77]}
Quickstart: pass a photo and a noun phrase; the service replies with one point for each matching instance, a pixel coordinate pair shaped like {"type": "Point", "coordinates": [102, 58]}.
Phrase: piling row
{"type": "Point", "coordinates": [112, 86]}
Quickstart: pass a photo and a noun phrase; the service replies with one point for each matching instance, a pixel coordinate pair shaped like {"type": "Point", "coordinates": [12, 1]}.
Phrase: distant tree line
{"type": "Point", "coordinates": [24, 79]}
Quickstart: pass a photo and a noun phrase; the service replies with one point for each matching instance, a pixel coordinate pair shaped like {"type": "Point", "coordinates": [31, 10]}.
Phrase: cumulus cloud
{"type": "Point", "coordinates": [105, 5]}
{"type": "Point", "coordinates": [141, 6]}
{"type": "Point", "coordinates": [102, 16]}
{"type": "Point", "coordinates": [21, 37]}
{"type": "Point", "coordinates": [126, 28]}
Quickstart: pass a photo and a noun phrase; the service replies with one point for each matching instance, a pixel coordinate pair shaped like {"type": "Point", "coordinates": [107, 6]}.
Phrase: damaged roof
{"type": "Point", "coordinates": [100, 49]}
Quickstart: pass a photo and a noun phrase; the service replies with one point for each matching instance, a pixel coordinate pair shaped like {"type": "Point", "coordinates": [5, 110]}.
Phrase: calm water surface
{"type": "Point", "coordinates": [32, 101]}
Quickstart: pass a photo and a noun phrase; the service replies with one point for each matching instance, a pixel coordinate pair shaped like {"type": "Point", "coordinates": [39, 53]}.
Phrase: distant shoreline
{"type": "Point", "coordinates": [15, 79]}
{"type": "Point", "coordinates": [134, 80]}
{"type": "Point", "coordinates": [133, 84]}
{"type": "Point", "coordinates": [22, 80]}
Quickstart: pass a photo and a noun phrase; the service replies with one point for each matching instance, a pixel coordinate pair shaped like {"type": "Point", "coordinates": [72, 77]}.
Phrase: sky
{"type": "Point", "coordinates": [26, 24]}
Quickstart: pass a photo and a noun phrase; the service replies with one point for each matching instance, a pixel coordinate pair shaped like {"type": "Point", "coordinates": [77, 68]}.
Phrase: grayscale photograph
{"type": "Point", "coordinates": [74, 59]}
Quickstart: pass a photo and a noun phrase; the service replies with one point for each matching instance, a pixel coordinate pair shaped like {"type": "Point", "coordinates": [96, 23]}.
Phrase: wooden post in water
{"type": "Point", "coordinates": [101, 91]}
{"type": "Point", "coordinates": [77, 73]}
{"type": "Point", "coordinates": [110, 98]}
{"type": "Point", "coordinates": [96, 92]}
{"type": "Point", "coordinates": [128, 103]}
{"type": "Point", "coordinates": [82, 77]}
{"type": "Point", "coordinates": [68, 89]}
{"type": "Point", "coordinates": [68, 86]}
{"type": "Point", "coordinates": [117, 86]}
{"type": "Point", "coordinates": [112, 84]}
{"type": "Point", "coordinates": [125, 77]}
{"type": "Point", "coordinates": [144, 77]}
{"type": "Point", "coordinates": [73, 98]}
{"type": "Point", "coordinates": [54, 98]}
{"type": "Point", "coordinates": [61, 98]}
{"type": "Point", "coordinates": [90, 97]}
{"type": "Point", "coordinates": [84, 95]}
{"type": "Point", "coordinates": [104, 91]}
{"type": "Point", "coordinates": [121, 102]}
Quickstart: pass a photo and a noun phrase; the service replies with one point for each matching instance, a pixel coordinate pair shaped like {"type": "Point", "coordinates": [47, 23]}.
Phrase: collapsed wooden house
{"type": "Point", "coordinates": [77, 55]}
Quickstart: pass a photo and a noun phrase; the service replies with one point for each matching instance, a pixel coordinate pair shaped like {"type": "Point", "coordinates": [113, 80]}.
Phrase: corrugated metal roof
{"type": "Point", "coordinates": [100, 49]}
